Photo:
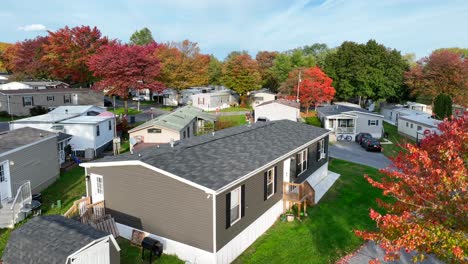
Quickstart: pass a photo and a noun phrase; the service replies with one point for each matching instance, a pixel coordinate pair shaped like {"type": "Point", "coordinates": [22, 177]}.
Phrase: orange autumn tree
{"type": "Point", "coordinates": [315, 87]}
{"type": "Point", "coordinates": [429, 185]}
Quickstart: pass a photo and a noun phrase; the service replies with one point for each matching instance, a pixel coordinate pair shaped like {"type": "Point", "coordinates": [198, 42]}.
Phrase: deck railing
{"type": "Point", "coordinates": [23, 196]}
{"type": "Point", "coordinates": [345, 129]}
{"type": "Point", "coordinates": [85, 211]}
{"type": "Point", "coordinates": [74, 209]}
{"type": "Point", "coordinates": [293, 191]}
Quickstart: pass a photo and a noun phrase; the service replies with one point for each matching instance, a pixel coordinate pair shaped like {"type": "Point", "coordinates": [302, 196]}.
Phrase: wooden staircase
{"type": "Point", "coordinates": [297, 194]}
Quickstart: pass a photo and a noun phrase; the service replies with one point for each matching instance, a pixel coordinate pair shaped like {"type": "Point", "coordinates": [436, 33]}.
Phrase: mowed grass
{"type": "Point", "coordinates": [230, 121]}
{"type": "Point", "coordinates": [233, 109]}
{"type": "Point", "coordinates": [131, 254]}
{"type": "Point", "coordinates": [313, 120]}
{"type": "Point", "coordinates": [392, 150]}
{"type": "Point", "coordinates": [121, 111]}
{"type": "Point", "coordinates": [326, 234]}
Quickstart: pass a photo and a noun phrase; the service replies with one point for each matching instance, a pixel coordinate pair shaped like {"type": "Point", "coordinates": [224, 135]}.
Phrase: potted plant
{"type": "Point", "coordinates": [289, 215]}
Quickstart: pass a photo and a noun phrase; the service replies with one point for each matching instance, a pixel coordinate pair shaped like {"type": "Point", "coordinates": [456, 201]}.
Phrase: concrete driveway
{"type": "Point", "coordinates": [352, 151]}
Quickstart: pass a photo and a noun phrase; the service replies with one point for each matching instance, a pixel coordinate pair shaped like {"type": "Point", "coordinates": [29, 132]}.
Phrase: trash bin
{"type": "Point", "coordinates": [132, 119]}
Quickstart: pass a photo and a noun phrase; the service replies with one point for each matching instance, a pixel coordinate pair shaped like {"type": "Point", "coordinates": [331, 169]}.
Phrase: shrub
{"type": "Point", "coordinates": [37, 110]}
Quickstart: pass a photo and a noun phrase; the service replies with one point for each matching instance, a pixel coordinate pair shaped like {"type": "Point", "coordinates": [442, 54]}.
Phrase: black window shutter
{"type": "Point", "coordinates": [265, 179]}
{"type": "Point", "coordinates": [377, 122]}
{"type": "Point", "coordinates": [242, 200]}
{"type": "Point", "coordinates": [275, 186]}
{"type": "Point", "coordinates": [298, 166]}
{"type": "Point", "coordinates": [32, 101]}
{"type": "Point", "coordinates": [23, 101]}
{"type": "Point", "coordinates": [228, 210]}
{"type": "Point", "coordinates": [368, 122]}
{"type": "Point", "coordinates": [318, 151]}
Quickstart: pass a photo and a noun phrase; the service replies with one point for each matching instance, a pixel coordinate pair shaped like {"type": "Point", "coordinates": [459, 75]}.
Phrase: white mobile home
{"type": "Point", "coordinates": [417, 126]}
{"type": "Point", "coordinates": [92, 134]}
{"type": "Point", "coordinates": [260, 97]}
{"type": "Point", "coordinates": [215, 100]}
{"type": "Point", "coordinates": [346, 122]}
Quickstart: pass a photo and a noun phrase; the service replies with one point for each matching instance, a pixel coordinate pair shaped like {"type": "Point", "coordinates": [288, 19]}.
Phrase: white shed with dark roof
{"type": "Point", "coordinates": [55, 239]}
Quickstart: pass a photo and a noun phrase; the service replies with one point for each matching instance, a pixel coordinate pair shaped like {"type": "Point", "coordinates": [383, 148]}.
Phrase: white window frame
{"type": "Point", "coordinates": [99, 185]}
{"type": "Point", "coordinates": [3, 171]}
{"type": "Point", "coordinates": [239, 201]}
{"type": "Point", "coordinates": [67, 98]}
{"type": "Point", "coordinates": [154, 131]}
{"type": "Point", "coordinates": [50, 98]}
{"type": "Point", "coordinates": [301, 161]}
{"type": "Point", "coordinates": [271, 181]}
{"type": "Point", "coordinates": [372, 122]}
{"type": "Point", "coordinates": [31, 103]}
{"type": "Point", "coordinates": [419, 128]}
{"type": "Point", "coordinates": [321, 148]}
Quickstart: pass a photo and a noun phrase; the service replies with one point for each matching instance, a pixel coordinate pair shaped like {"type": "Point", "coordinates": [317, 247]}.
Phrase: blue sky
{"type": "Point", "coordinates": [417, 26]}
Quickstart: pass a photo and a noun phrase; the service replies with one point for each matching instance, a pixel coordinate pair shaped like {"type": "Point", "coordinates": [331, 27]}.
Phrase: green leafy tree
{"type": "Point", "coordinates": [215, 71]}
{"type": "Point", "coordinates": [265, 61]}
{"type": "Point", "coordinates": [241, 74]}
{"type": "Point", "coordinates": [284, 63]}
{"type": "Point", "coordinates": [443, 106]}
{"type": "Point", "coordinates": [367, 71]}
{"type": "Point", "coordinates": [142, 37]}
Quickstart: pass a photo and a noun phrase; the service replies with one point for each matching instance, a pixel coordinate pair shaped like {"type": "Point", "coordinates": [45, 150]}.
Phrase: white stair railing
{"type": "Point", "coordinates": [23, 197]}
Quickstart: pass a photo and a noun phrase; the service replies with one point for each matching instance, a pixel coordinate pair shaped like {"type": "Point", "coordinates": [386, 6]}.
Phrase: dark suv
{"type": "Point", "coordinates": [373, 145]}
{"type": "Point", "coordinates": [361, 136]}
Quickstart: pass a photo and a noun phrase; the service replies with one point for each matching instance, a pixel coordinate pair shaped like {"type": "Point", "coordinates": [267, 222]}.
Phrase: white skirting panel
{"type": "Point", "coordinates": [183, 251]}
{"type": "Point", "coordinates": [241, 242]}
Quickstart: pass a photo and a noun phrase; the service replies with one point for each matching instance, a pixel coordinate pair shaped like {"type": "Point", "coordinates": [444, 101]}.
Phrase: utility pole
{"type": "Point", "coordinates": [298, 84]}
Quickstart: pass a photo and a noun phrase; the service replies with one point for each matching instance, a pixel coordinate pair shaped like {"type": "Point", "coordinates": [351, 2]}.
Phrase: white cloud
{"type": "Point", "coordinates": [33, 27]}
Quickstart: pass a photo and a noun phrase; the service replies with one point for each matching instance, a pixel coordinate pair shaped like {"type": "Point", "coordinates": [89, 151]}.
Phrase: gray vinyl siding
{"type": "Point", "coordinates": [255, 206]}
{"type": "Point", "coordinates": [312, 163]}
{"type": "Point", "coordinates": [37, 163]}
{"type": "Point", "coordinates": [147, 200]}
{"type": "Point", "coordinates": [40, 99]}
{"type": "Point", "coordinates": [362, 125]}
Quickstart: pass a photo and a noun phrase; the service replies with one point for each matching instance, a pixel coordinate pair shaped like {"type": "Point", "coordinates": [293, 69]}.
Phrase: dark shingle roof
{"type": "Point", "coordinates": [48, 240]}
{"type": "Point", "coordinates": [23, 136]}
{"type": "Point", "coordinates": [215, 161]}
{"type": "Point", "coordinates": [329, 110]}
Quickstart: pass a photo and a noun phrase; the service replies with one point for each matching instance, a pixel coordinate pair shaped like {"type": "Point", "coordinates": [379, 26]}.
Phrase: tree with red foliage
{"type": "Point", "coordinates": [443, 72]}
{"type": "Point", "coordinates": [68, 51]}
{"type": "Point", "coordinates": [428, 186]}
{"type": "Point", "coordinates": [121, 68]}
{"type": "Point", "coordinates": [24, 59]}
{"type": "Point", "coordinates": [315, 87]}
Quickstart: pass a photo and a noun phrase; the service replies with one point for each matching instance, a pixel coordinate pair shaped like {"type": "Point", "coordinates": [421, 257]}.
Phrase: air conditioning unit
{"type": "Point", "coordinates": [323, 155]}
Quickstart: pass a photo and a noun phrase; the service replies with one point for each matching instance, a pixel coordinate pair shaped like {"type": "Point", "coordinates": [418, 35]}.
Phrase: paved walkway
{"type": "Point", "coordinates": [371, 251]}
{"type": "Point", "coordinates": [352, 151]}
{"type": "Point", "coordinates": [4, 126]}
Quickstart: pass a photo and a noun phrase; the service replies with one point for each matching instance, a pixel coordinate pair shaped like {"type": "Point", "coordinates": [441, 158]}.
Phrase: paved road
{"type": "Point", "coordinates": [4, 126]}
{"type": "Point", "coordinates": [371, 251]}
{"type": "Point", "coordinates": [352, 151]}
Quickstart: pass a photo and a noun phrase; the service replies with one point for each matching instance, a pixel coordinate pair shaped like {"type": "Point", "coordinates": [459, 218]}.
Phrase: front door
{"type": "Point", "coordinates": [97, 188]}
{"type": "Point", "coordinates": [5, 187]}
{"type": "Point", "coordinates": [286, 170]}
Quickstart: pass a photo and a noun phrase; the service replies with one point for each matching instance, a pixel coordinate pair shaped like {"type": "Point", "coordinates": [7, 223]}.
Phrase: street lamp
{"type": "Point", "coordinates": [298, 83]}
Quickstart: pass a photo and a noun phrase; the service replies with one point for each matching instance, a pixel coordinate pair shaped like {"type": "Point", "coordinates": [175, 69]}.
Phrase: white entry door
{"type": "Point", "coordinates": [97, 188]}
{"type": "Point", "coordinates": [5, 185]}
{"type": "Point", "coordinates": [286, 170]}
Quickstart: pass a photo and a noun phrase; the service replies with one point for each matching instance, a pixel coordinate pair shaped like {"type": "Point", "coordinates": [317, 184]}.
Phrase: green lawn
{"type": "Point", "coordinates": [131, 254]}
{"type": "Point", "coordinates": [391, 150]}
{"type": "Point", "coordinates": [7, 118]}
{"type": "Point", "coordinates": [326, 234]}
{"type": "Point", "coordinates": [121, 111]}
{"type": "Point", "coordinates": [313, 120]}
{"type": "Point", "coordinates": [233, 109]}
{"type": "Point", "coordinates": [230, 121]}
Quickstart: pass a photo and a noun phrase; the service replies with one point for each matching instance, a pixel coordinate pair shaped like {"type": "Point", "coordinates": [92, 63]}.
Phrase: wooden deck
{"type": "Point", "coordinates": [297, 194]}
{"type": "Point", "coordinates": [93, 214]}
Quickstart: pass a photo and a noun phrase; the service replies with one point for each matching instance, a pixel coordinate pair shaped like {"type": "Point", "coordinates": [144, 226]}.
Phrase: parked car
{"type": "Point", "coordinates": [361, 136]}
{"type": "Point", "coordinates": [262, 119]}
{"type": "Point", "coordinates": [373, 145]}
{"type": "Point", "coordinates": [139, 98]}
{"type": "Point", "coordinates": [364, 141]}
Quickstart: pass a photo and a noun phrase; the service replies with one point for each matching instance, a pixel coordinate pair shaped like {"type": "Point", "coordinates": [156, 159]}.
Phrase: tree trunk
{"type": "Point", "coordinates": [126, 106]}
{"type": "Point", "coordinates": [359, 101]}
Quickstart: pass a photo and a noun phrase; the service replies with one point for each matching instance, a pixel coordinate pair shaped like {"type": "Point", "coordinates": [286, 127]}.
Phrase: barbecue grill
{"type": "Point", "coordinates": [154, 246]}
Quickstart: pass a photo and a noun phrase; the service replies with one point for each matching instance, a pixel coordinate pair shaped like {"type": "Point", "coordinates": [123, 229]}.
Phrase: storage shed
{"type": "Point", "coordinates": [55, 239]}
